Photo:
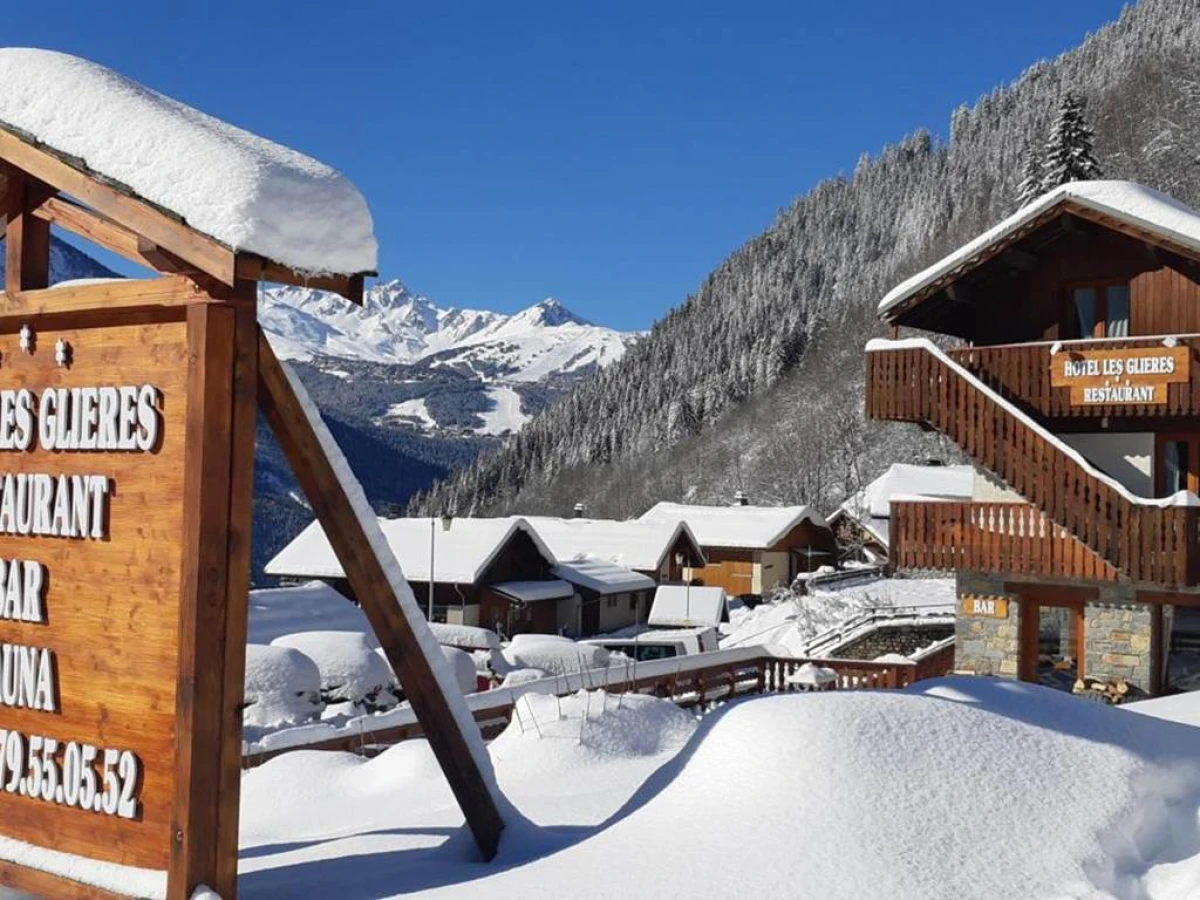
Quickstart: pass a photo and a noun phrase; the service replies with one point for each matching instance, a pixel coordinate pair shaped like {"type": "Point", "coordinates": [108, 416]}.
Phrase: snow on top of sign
{"type": "Point", "coordinates": [430, 649]}
{"type": "Point", "coordinates": [602, 577]}
{"type": "Point", "coordinates": [633, 543]}
{"type": "Point", "coordinates": [243, 190]}
{"type": "Point", "coordinates": [460, 553]}
{"type": "Point", "coordinates": [678, 605]}
{"type": "Point", "coordinates": [1125, 201]}
{"type": "Point", "coordinates": [753, 527]}
{"type": "Point", "coordinates": [1179, 498]}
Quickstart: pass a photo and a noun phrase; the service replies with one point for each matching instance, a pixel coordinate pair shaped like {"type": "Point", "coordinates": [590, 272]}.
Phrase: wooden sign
{"type": "Point", "coordinates": [1116, 377]}
{"type": "Point", "coordinates": [984, 607]}
{"type": "Point", "coordinates": [127, 432]}
{"type": "Point", "coordinates": [93, 432]}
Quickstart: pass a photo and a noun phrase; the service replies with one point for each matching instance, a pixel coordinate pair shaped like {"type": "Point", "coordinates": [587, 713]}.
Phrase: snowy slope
{"type": "Point", "coordinates": [961, 789]}
{"type": "Point", "coordinates": [395, 325]}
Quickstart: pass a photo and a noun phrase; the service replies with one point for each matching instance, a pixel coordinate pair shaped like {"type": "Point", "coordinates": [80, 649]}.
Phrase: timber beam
{"type": "Point", "coordinates": [376, 594]}
{"type": "Point", "coordinates": [26, 238]}
{"type": "Point", "coordinates": [123, 294]}
{"type": "Point", "coordinates": [255, 268]}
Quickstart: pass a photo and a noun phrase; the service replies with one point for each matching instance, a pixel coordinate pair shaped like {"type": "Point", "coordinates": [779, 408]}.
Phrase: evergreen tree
{"type": "Point", "coordinates": [1033, 176]}
{"type": "Point", "coordinates": [1070, 155]}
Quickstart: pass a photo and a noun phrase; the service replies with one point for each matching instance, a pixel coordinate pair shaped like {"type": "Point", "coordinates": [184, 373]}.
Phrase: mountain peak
{"type": "Point", "coordinates": [550, 313]}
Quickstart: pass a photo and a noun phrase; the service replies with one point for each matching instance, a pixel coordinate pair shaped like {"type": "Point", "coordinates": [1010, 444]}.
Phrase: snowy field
{"type": "Point", "coordinates": [963, 788]}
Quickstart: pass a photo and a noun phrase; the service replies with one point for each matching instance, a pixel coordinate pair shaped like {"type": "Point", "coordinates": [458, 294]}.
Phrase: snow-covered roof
{"type": "Point", "coordinates": [243, 190]}
{"type": "Point", "coordinates": [633, 543]}
{"type": "Point", "coordinates": [602, 576]}
{"type": "Point", "coordinates": [1152, 213]}
{"type": "Point", "coordinates": [905, 479]}
{"type": "Point", "coordinates": [534, 591]}
{"type": "Point", "coordinates": [681, 606]}
{"type": "Point", "coordinates": [461, 553]}
{"type": "Point", "coordinates": [749, 527]}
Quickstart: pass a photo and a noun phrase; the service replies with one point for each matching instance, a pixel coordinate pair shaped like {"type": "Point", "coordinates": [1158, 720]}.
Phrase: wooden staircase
{"type": "Point", "coordinates": [1145, 541]}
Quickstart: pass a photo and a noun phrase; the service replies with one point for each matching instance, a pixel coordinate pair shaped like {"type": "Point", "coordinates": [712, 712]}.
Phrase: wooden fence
{"type": "Point", "coordinates": [687, 681]}
{"type": "Point", "coordinates": [975, 536]}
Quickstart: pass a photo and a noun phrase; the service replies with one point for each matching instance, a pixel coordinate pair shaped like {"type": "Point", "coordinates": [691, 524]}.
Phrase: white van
{"type": "Point", "coordinates": [661, 643]}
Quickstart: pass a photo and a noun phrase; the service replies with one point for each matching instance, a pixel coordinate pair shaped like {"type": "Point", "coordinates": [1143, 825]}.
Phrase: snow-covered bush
{"type": "Point", "coordinates": [354, 678]}
{"type": "Point", "coordinates": [283, 687]}
{"type": "Point", "coordinates": [463, 667]}
{"type": "Point", "coordinates": [554, 655]}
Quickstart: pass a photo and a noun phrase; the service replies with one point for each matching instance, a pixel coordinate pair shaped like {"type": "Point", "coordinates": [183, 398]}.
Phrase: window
{"type": "Point", "coordinates": [1098, 309]}
{"type": "Point", "coordinates": [1177, 464]}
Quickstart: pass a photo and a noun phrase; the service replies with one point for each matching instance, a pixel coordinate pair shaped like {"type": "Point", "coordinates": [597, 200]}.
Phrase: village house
{"type": "Point", "coordinates": [1077, 387]}
{"type": "Point", "coordinates": [751, 549]}
{"type": "Point", "coordinates": [861, 523]}
{"type": "Point", "coordinates": [615, 566]}
{"type": "Point", "coordinates": [504, 575]}
{"type": "Point", "coordinates": [496, 573]}
{"type": "Point", "coordinates": [660, 549]}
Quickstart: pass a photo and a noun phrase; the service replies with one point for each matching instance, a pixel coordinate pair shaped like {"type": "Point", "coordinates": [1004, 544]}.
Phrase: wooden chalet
{"type": "Point", "coordinates": [752, 549]}
{"type": "Point", "coordinates": [1076, 385]}
{"type": "Point", "coordinates": [496, 573]}
{"type": "Point", "coordinates": [660, 550]}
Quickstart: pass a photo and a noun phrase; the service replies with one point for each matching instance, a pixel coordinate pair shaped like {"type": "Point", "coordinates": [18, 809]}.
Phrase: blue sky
{"type": "Point", "coordinates": [607, 154]}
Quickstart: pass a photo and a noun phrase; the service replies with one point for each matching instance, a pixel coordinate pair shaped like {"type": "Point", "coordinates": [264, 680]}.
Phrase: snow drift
{"type": "Point", "coordinates": [966, 789]}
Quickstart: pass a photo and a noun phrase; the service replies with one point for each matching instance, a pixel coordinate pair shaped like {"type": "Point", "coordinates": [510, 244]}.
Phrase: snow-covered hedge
{"type": "Point", "coordinates": [554, 655]}
{"type": "Point", "coordinates": [283, 687]}
{"type": "Point", "coordinates": [354, 677]}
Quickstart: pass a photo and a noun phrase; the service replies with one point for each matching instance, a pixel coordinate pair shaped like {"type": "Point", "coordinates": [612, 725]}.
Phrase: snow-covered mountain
{"type": "Point", "coordinates": [395, 325]}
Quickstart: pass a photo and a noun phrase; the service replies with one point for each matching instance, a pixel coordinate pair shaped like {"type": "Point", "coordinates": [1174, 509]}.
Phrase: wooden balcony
{"type": "Point", "coordinates": [1022, 373]}
{"type": "Point", "coordinates": [1004, 538]}
{"type": "Point", "coordinates": [1145, 542]}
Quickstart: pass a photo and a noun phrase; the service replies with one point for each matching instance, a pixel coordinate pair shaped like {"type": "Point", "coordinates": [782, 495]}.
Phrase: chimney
{"type": "Point", "coordinates": [577, 513]}
{"type": "Point", "coordinates": [739, 499]}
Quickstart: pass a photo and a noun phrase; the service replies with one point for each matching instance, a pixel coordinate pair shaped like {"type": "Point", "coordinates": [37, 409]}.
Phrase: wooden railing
{"type": "Point", "coordinates": [687, 681]}
{"type": "Point", "coordinates": [1014, 538]}
{"type": "Point", "coordinates": [1021, 373]}
{"type": "Point", "coordinates": [1145, 542]}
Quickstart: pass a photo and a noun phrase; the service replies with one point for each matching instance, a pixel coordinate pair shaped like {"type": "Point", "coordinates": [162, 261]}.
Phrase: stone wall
{"type": "Point", "coordinates": [1119, 642]}
{"type": "Point", "coordinates": [986, 646]}
{"type": "Point", "coordinates": [901, 639]}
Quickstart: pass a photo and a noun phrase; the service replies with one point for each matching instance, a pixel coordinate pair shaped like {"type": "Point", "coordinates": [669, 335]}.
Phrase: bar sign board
{"type": "Point", "coordinates": [978, 606]}
{"type": "Point", "coordinates": [1116, 377]}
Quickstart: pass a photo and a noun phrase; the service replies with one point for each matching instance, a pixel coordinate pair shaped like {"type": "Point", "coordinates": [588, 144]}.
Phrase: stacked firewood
{"type": "Point", "coordinates": [1107, 690]}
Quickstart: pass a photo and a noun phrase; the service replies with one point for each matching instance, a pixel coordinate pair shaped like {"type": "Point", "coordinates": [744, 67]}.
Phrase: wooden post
{"type": "Point", "coordinates": [219, 460]}
{"type": "Point", "coordinates": [369, 581]}
{"type": "Point", "coordinates": [26, 238]}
